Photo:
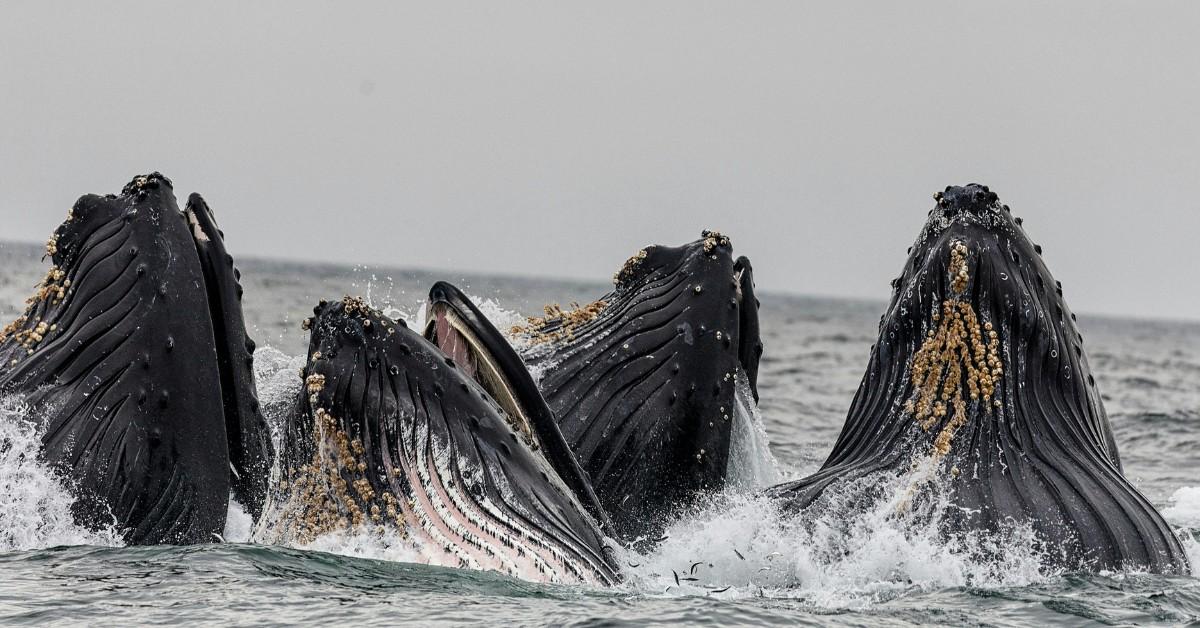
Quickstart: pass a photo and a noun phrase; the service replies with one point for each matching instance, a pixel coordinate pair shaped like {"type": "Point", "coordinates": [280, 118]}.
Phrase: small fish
{"type": "Point", "coordinates": [635, 565]}
{"type": "Point", "coordinates": [660, 540]}
{"type": "Point", "coordinates": [694, 566]}
{"type": "Point", "coordinates": [676, 577]}
{"type": "Point", "coordinates": [764, 569]}
{"type": "Point", "coordinates": [218, 537]}
{"type": "Point", "coordinates": [721, 590]}
{"type": "Point", "coordinates": [690, 579]}
{"type": "Point", "coordinates": [739, 554]}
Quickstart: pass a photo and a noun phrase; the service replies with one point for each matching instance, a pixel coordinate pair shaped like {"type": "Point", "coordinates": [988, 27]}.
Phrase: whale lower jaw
{"type": "Point", "coordinates": [425, 508]}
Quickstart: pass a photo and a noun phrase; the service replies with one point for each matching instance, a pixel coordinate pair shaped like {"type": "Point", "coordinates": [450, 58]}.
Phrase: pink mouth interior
{"type": "Point", "coordinates": [453, 344]}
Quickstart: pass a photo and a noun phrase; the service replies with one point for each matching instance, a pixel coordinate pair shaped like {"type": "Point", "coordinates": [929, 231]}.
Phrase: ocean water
{"type": "Point", "coordinates": [734, 560]}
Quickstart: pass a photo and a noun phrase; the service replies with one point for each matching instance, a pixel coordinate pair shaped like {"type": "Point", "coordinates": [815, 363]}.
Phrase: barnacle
{"type": "Point", "coordinates": [558, 324]}
{"type": "Point", "coordinates": [960, 350]}
{"type": "Point", "coordinates": [629, 267]}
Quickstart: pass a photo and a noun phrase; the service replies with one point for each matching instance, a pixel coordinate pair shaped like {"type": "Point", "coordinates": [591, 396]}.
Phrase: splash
{"type": "Point", "coordinates": [745, 546]}
{"type": "Point", "coordinates": [374, 542]}
{"type": "Point", "coordinates": [239, 525]}
{"type": "Point", "coordinates": [1184, 513]}
{"type": "Point", "coordinates": [35, 503]}
{"type": "Point", "coordinates": [1184, 510]}
{"type": "Point", "coordinates": [751, 464]}
{"type": "Point", "coordinates": [500, 316]}
{"type": "Point", "coordinates": [277, 376]}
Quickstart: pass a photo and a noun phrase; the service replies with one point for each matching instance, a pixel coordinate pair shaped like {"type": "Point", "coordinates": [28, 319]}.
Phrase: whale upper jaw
{"type": "Point", "coordinates": [125, 353]}
{"type": "Point", "coordinates": [643, 381]}
{"type": "Point", "coordinates": [980, 376]}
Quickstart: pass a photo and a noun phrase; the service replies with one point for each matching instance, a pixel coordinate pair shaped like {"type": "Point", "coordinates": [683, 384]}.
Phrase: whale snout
{"type": "Point", "coordinates": [972, 198]}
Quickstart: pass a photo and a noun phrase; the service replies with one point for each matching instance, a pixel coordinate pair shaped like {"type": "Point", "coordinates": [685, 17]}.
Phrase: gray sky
{"type": "Point", "coordinates": [557, 138]}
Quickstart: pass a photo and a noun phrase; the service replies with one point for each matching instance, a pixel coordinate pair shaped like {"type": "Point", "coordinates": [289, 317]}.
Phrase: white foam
{"type": "Point", "coordinates": [1184, 510]}
{"type": "Point", "coordinates": [35, 503]}
{"type": "Point", "coordinates": [503, 318]}
{"type": "Point", "coordinates": [827, 558]}
{"type": "Point", "coordinates": [375, 542]}
{"type": "Point", "coordinates": [277, 377]}
{"type": "Point", "coordinates": [239, 525]}
{"type": "Point", "coordinates": [751, 464]}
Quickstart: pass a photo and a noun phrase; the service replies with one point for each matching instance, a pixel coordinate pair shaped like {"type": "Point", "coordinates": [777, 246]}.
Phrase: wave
{"type": "Point", "coordinates": [744, 546]}
{"type": "Point", "coordinates": [1184, 512]}
{"type": "Point", "coordinates": [35, 501]}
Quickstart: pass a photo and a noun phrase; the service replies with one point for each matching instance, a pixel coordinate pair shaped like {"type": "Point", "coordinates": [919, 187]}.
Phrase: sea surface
{"type": "Point", "coordinates": [751, 565]}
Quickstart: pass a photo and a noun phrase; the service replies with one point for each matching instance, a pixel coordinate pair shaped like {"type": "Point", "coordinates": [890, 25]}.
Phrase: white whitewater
{"type": "Point", "coordinates": [35, 503]}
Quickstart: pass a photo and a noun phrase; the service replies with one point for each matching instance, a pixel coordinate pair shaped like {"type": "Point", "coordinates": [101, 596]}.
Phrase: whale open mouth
{"type": "Point", "coordinates": [456, 326]}
{"type": "Point", "coordinates": [446, 328]}
{"type": "Point", "coordinates": [392, 433]}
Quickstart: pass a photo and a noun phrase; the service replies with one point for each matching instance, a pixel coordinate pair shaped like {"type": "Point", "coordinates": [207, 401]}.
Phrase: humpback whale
{"type": "Point", "coordinates": [980, 377]}
{"type": "Point", "coordinates": [392, 433]}
{"type": "Point", "coordinates": [643, 382]}
{"type": "Point", "coordinates": [134, 356]}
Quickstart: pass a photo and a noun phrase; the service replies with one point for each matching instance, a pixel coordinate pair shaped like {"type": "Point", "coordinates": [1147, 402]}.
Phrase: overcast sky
{"type": "Point", "coordinates": [557, 138]}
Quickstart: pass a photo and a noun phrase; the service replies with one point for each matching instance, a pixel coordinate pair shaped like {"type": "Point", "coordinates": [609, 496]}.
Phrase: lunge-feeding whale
{"type": "Point", "coordinates": [644, 381]}
{"type": "Point", "coordinates": [392, 434]}
{"type": "Point", "coordinates": [133, 354]}
{"type": "Point", "coordinates": [980, 376]}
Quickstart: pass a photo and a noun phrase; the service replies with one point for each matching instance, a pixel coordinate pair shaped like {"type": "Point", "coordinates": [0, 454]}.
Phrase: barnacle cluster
{"type": "Point", "coordinates": [629, 267]}
{"type": "Point", "coordinates": [53, 287]}
{"type": "Point", "coordinates": [713, 239]}
{"type": "Point", "coordinates": [958, 267]}
{"type": "Point", "coordinates": [331, 492]}
{"type": "Point", "coordinates": [357, 306]}
{"type": "Point", "coordinates": [25, 334]}
{"type": "Point", "coordinates": [558, 324]}
{"type": "Point", "coordinates": [314, 383]}
{"type": "Point", "coordinates": [960, 349]}
{"type": "Point", "coordinates": [28, 330]}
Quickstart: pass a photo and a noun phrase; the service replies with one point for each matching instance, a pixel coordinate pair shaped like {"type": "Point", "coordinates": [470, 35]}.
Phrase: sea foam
{"type": "Point", "coordinates": [35, 502]}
